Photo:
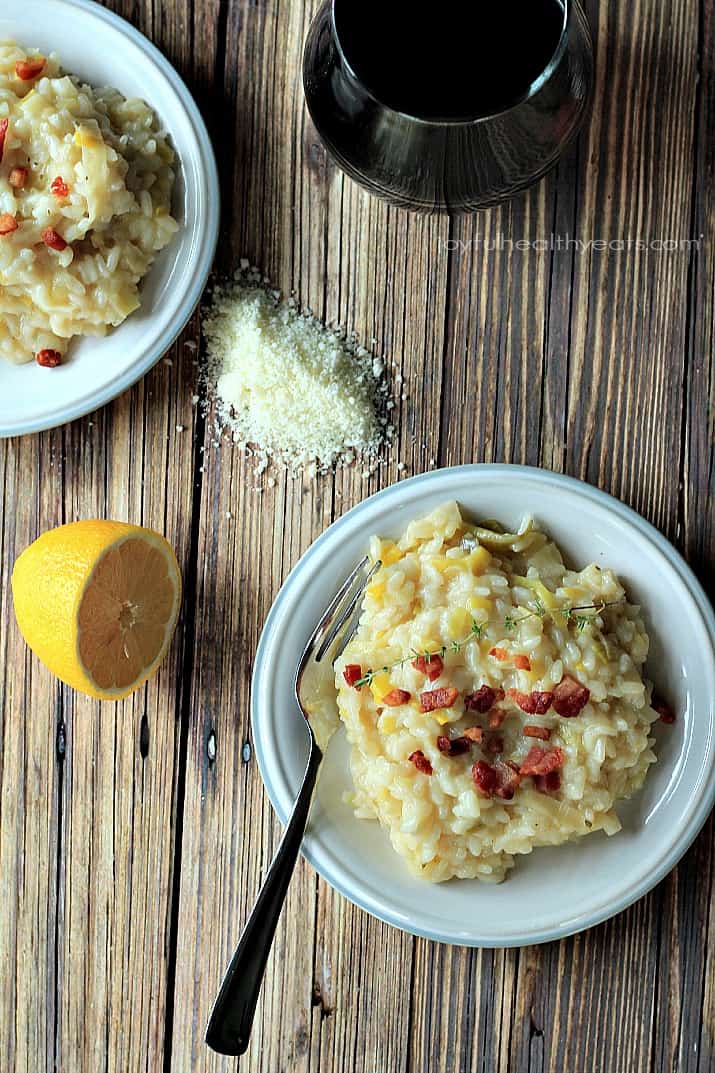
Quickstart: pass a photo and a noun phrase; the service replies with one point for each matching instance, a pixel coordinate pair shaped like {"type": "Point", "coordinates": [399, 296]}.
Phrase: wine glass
{"type": "Point", "coordinates": [390, 124]}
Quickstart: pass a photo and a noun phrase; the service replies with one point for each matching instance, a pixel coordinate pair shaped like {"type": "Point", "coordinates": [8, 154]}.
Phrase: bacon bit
{"type": "Point", "coordinates": [18, 177]}
{"type": "Point", "coordinates": [664, 711]}
{"type": "Point", "coordinates": [540, 761]}
{"type": "Point", "coordinates": [494, 745]}
{"type": "Point", "coordinates": [548, 784]}
{"type": "Point", "coordinates": [352, 674]}
{"type": "Point", "coordinates": [59, 187]}
{"type": "Point", "coordinates": [483, 699]}
{"type": "Point", "coordinates": [8, 223]}
{"type": "Point", "coordinates": [499, 653]}
{"type": "Point", "coordinates": [29, 69]}
{"type": "Point", "coordinates": [496, 718]}
{"type": "Point", "coordinates": [454, 746]}
{"type": "Point", "coordinates": [379, 710]}
{"type": "Point", "coordinates": [534, 703]}
{"type": "Point", "coordinates": [396, 697]}
{"type": "Point", "coordinates": [500, 781]}
{"type": "Point", "coordinates": [508, 779]}
{"type": "Point", "coordinates": [485, 777]}
{"type": "Point", "coordinates": [49, 359]}
{"type": "Point", "coordinates": [421, 762]}
{"type": "Point", "coordinates": [438, 698]}
{"type": "Point", "coordinates": [432, 666]}
{"type": "Point", "coordinates": [4, 124]}
{"type": "Point", "coordinates": [522, 663]}
{"type": "Point", "coordinates": [531, 731]}
{"type": "Point", "coordinates": [570, 697]}
{"type": "Point", "coordinates": [474, 734]}
{"type": "Point", "coordinates": [53, 240]}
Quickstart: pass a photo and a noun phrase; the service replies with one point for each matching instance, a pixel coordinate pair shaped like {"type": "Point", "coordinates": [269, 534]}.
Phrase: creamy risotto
{"type": "Point", "coordinates": [493, 698]}
{"type": "Point", "coordinates": [85, 195]}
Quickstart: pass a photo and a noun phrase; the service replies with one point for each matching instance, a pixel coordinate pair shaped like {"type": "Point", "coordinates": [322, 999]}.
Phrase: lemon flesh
{"type": "Point", "coordinates": [97, 602]}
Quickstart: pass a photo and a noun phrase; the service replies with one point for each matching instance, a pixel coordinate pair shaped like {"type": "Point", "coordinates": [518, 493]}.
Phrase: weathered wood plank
{"type": "Point", "coordinates": [29, 784]}
{"type": "Point", "coordinates": [696, 521]}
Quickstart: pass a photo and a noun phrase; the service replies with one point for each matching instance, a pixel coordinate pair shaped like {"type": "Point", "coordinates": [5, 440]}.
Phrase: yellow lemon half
{"type": "Point", "coordinates": [97, 602]}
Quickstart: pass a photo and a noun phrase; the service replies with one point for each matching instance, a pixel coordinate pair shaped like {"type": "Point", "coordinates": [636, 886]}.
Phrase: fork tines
{"type": "Point", "coordinates": [341, 609]}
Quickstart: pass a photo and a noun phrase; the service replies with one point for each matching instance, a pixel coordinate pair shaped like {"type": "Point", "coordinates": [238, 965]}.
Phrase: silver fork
{"type": "Point", "coordinates": [229, 1026]}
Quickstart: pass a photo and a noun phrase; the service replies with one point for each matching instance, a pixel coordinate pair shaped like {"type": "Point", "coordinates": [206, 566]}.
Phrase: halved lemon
{"type": "Point", "coordinates": [97, 602]}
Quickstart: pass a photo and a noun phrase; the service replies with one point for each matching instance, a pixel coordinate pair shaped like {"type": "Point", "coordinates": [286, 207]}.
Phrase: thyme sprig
{"type": "Point", "coordinates": [510, 623]}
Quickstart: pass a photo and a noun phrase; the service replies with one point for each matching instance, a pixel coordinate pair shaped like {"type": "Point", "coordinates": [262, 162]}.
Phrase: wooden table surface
{"type": "Point", "coordinates": [128, 856]}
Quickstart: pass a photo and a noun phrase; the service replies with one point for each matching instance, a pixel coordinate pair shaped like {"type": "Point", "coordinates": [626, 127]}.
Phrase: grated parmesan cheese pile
{"type": "Point", "coordinates": [296, 391]}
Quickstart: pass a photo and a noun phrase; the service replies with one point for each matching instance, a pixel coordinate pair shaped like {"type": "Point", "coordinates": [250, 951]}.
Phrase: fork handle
{"type": "Point", "coordinates": [232, 1015]}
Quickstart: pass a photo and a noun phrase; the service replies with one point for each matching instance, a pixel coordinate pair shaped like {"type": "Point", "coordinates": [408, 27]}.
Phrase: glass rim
{"type": "Point", "coordinates": [461, 121]}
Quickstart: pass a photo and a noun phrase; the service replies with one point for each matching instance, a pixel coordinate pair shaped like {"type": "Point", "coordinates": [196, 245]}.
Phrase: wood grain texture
{"type": "Point", "coordinates": [130, 850]}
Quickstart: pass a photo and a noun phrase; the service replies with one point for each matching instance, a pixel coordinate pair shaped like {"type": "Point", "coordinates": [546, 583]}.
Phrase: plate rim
{"type": "Point", "coordinates": [208, 236]}
{"type": "Point", "coordinates": [703, 802]}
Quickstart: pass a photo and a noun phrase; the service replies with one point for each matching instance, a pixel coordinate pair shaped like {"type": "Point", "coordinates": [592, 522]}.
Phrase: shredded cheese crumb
{"type": "Point", "coordinates": [296, 391]}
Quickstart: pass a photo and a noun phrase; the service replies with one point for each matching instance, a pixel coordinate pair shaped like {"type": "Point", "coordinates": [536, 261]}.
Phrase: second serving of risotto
{"type": "Point", "coordinates": [86, 178]}
{"type": "Point", "coordinates": [493, 698]}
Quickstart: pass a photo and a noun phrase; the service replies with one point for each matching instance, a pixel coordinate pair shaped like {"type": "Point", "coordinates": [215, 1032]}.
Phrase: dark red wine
{"type": "Point", "coordinates": [375, 70]}
{"type": "Point", "coordinates": [451, 59]}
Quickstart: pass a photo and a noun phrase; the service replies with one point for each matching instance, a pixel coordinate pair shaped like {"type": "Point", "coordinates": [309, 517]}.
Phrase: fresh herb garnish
{"type": "Point", "coordinates": [510, 624]}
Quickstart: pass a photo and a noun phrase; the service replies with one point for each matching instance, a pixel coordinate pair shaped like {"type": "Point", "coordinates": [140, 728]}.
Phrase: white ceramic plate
{"type": "Point", "coordinates": [551, 892]}
{"type": "Point", "coordinates": [105, 50]}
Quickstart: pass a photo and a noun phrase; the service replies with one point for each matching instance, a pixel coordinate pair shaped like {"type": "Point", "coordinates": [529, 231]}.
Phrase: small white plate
{"type": "Point", "coordinates": [551, 892]}
{"type": "Point", "coordinates": [104, 50]}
